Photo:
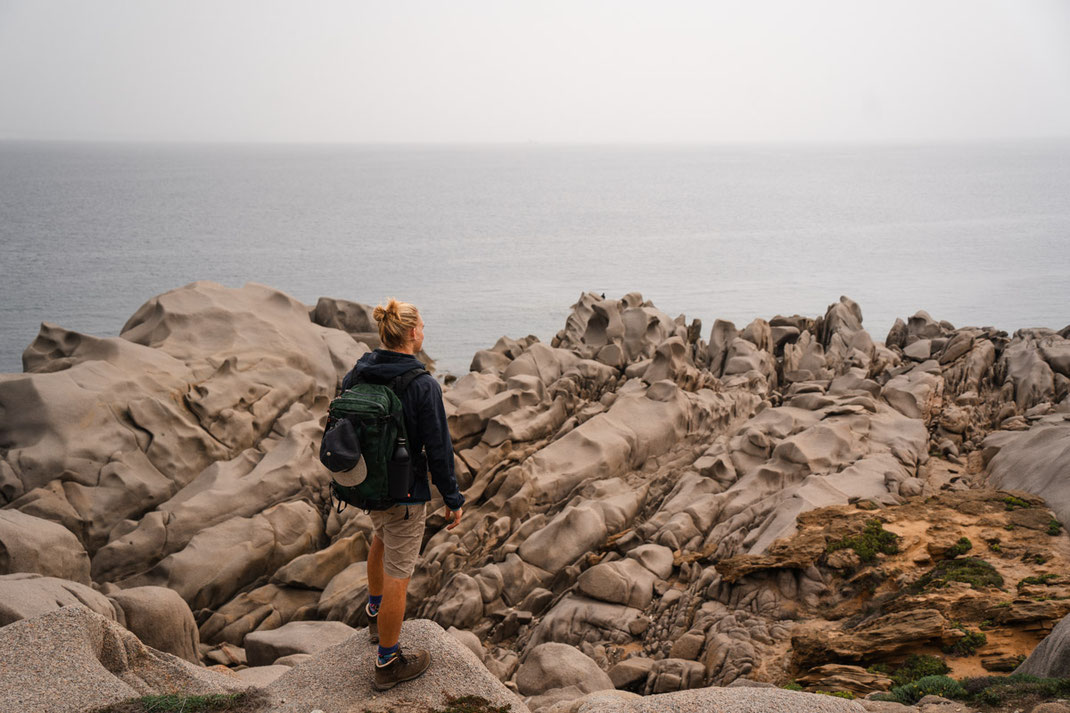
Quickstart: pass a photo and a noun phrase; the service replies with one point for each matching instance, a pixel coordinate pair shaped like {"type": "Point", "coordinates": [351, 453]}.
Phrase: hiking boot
{"type": "Point", "coordinates": [373, 629]}
{"type": "Point", "coordinates": [403, 667]}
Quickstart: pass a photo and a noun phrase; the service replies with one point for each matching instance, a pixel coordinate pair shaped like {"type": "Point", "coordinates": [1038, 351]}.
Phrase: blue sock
{"type": "Point", "coordinates": [386, 654]}
{"type": "Point", "coordinates": [373, 604]}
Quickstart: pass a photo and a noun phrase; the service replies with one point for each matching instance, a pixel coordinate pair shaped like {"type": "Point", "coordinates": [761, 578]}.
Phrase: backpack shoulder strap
{"type": "Point", "coordinates": [401, 382]}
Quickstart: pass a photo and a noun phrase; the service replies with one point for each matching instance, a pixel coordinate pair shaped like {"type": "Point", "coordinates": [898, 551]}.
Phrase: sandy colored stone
{"type": "Point", "coordinates": [316, 570]}
{"type": "Point", "coordinates": [551, 665]}
{"type": "Point", "coordinates": [24, 596]}
{"type": "Point", "coordinates": [160, 618]}
{"type": "Point", "coordinates": [1050, 659]}
{"type": "Point", "coordinates": [266, 607]}
{"type": "Point", "coordinates": [575, 619]}
{"type": "Point", "coordinates": [838, 677]}
{"type": "Point", "coordinates": [656, 558]}
{"type": "Point", "coordinates": [620, 582]}
{"type": "Point", "coordinates": [218, 562]}
{"type": "Point", "coordinates": [1036, 461]}
{"type": "Point", "coordinates": [244, 486]}
{"type": "Point", "coordinates": [31, 544]}
{"type": "Point", "coordinates": [98, 661]}
{"type": "Point", "coordinates": [340, 675]}
{"type": "Point", "coordinates": [262, 648]}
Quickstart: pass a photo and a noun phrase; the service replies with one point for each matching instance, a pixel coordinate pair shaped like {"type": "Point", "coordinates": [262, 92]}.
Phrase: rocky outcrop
{"type": "Point", "coordinates": [838, 677]}
{"type": "Point", "coordinates": [298, 637]}
{"type": "Point", "coordinates": [659, 504]}
{"type": "Point", "coordinates": [161, 619]}
{"type": "Point", "coordinates": [337, 676]}
{"type": "Point", "coordinates": [31, 544]}
{"type": "Point", "coordinates": [102, 431]}
{"type": "Point", "coordinates": [98, 662]}
{"type": "Point", "coordinates": [1051, 659]}
{"type": "Point", "coordinates": [977, 563]}
{"type": "Point", "coordinates": [729, 700]}
{"type": "Point", "coordinates": [1036, 461]}
{"type": "Point", "coordinates": [23, 596]}
{"type": "Point", "coordinates": [882, 638]}
{"type": "Point", "coordinates": [553, 673]}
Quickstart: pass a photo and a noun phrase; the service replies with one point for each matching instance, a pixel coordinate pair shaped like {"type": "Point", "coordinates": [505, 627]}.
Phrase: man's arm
{"type": "Point", "coordinates": [437, 444]}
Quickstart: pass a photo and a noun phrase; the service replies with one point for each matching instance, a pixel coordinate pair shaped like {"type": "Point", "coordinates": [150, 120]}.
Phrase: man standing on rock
{"type": "Point", "coordinates": [399, 529]}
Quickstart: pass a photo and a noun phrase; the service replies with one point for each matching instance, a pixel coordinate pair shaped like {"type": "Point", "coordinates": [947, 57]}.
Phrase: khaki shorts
{"type": "Point", "coordinates": [401, 537]}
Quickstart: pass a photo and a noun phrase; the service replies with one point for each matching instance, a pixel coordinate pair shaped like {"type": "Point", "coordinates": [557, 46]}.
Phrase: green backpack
{"type": "Point", "coordinates": [373, 415]}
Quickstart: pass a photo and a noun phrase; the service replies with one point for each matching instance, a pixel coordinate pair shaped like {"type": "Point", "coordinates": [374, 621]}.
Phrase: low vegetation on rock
{"type": "Point", "coordinates": [961, 547]}
{"type": "Point", "coordinates": [251, 701]}
{"type": "Point", "coordinates": [970, 570]}
{"type": "Point", "coordinates": [867, 544]}
{"type": "Point", "coordinates": [918, 666]}
{"type": "Point", "coordinates": [910, 693]}
{"type": "Point", "coordinates": [967, 645]}
{"type": "Point", "coordinates": [1016, 691]}
{"type": "Point", "coordinates": [1041, 579]}
{"type": "Point", "coordinates": [1013, 503]}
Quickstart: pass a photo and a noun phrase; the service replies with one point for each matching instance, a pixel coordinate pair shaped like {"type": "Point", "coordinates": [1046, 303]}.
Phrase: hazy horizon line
{"type": "Point", "coordinates": [548, 143]}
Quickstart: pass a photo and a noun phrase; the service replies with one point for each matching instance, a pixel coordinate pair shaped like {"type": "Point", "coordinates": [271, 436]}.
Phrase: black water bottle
{"type": "Point", "coordinates": [399, 469]}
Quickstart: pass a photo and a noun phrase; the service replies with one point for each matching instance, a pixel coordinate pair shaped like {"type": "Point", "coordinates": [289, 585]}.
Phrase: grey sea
{"type": "Point", "coordinates": [501, 240]}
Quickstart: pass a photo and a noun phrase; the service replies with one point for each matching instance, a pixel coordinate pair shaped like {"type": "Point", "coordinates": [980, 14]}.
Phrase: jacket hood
{"type": "Point", "coordinates": [383, 365]}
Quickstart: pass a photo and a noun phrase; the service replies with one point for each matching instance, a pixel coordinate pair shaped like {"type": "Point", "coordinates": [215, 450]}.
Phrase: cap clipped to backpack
{"type": "Point", "coordinates": [353, 476]}
{"type": "Point", "coordinates": [340, 452]}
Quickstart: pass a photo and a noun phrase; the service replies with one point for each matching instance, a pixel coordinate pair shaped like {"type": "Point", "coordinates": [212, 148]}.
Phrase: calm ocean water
{"type": "Point", "coordinates": [502, 240]}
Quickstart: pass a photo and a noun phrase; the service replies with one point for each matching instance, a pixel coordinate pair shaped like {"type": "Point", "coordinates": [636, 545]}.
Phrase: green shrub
{"type": "Point", "coordinates": [976, 684]}
{"type": "Point", "coordinates": [960, 548]}
{"type": "Point", "coordinates": [995, 546]}
{"type": "Point", "coordinates": [1012, 503]}
{"type": "Point", "coordinates": [975, 572]}
{"type": "Point", "coordinates": [838, 694]}
{"type": "Point", "coordinates": [881, 668]}
{"type": "Point", "coordinates": [793, 686]}
{"type": "Point", "coordinates": [999, 690]}
{"type": "Point", "coordinates": [182, 703]}
{"type": "Point", "coordinates": [967, 644]}
{"type": "Point", "coordinates": [1038, 579]}
{"type": "Point", "coordinates": [1054, 527]}
{"type": "Point", "coordinates": [911, 693]}
{"type": "Point", "coordinates": [916, 667]}
{"type": "Point", "coordinates": [873, 539]}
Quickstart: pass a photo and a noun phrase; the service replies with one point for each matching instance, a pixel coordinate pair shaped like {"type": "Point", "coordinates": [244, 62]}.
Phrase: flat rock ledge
{"type": "Point", "coordinates": [713, 700]}
{"type": "Point", "coordinates": [338, 679]}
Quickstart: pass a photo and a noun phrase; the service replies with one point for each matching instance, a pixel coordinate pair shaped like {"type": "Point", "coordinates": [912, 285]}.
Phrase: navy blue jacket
{"type": "Point", "coordinates": [425, 421]}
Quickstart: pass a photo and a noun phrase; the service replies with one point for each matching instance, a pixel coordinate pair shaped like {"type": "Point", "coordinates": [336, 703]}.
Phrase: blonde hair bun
{"type": "Point", "coordinates": [395, 321]}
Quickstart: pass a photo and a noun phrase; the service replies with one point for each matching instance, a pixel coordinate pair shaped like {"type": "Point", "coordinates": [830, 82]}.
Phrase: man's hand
{"type": "Point", "coordinates": [453, 517]}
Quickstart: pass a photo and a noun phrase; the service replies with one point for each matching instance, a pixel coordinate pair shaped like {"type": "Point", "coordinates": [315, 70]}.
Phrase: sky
{"type": "Point", "coordinates": [612, 71]}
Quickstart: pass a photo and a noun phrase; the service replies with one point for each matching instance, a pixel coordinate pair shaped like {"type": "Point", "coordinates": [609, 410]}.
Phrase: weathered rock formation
{"type": "Point", "coordinates": [1052, 658]}
{"type": "Point", "coordinates": [660, 504]}
{"type": "Point", "coordinates": [72, 659]}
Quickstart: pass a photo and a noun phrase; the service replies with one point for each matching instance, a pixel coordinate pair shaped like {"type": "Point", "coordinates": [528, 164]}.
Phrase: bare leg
{"type": "Point", "coordinates": [392, 610]}
{"type": "Point", "coordinates": [375, 567]}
